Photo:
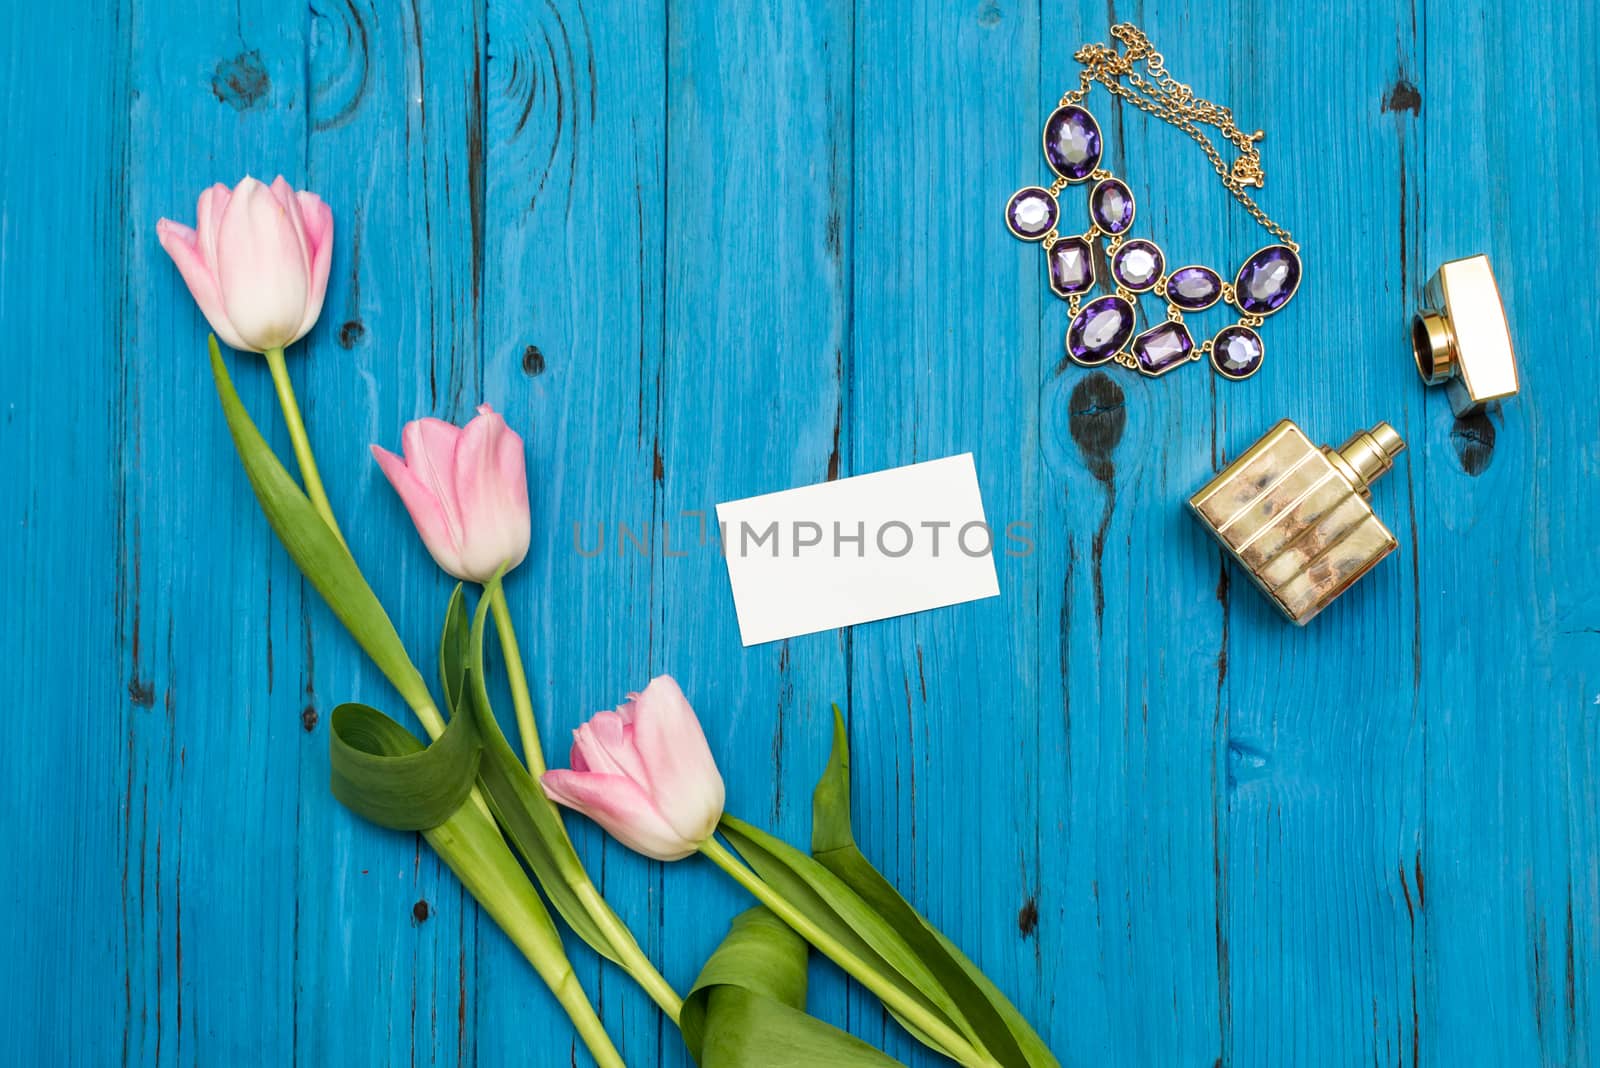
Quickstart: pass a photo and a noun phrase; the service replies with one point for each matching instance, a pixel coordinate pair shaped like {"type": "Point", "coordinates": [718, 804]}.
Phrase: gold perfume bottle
{"type": "Point", "coordinates": [1460, 337]}
{"type": "Point", "coordinates": [1297, 517]}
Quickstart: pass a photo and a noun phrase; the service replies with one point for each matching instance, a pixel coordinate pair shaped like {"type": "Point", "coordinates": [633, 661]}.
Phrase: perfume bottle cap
{"type": "Point", "coordinates": [1460, 337]}
{"type": "Point", "coordinates": [1433, 347]}
{"type": "Point", "coordinates": [1368, 456]}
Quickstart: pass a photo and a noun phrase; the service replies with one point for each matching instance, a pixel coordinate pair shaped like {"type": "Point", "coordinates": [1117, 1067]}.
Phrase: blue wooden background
{"type": "Point", "coordinates": [704, 250]}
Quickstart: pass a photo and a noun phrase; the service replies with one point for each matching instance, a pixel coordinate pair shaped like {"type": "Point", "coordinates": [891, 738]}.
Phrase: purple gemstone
{"type": "Point", "coordinates": [1163, 347]}
{"type": "Point", "coordinates": [1072, 142]}
{"type": "Point", "coordinates": [1111, 206]}
{"type": "Point", "coordinates": [1137, 265]}
{"type": "Point", "coordinates": [1194, 288]}
{"type": "Point", "coordinates": [1031, 212]}
{"type": "Point", "coordinates": [1267, 280]}
{"type": "Point", "coordinates": [1071, 267]}
{"type": "Point", "coordinates": [1099, 331]}
{"type": "Point", "coordinates": [1236, 351]}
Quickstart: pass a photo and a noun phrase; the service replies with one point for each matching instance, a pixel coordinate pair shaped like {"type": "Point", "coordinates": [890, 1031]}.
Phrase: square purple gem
{"type": "Point", "coordinates": [1163, 347]}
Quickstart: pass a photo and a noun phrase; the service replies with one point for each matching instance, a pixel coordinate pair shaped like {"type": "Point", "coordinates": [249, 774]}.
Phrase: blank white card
{"type": "Point", "coordinates": [859, 549]}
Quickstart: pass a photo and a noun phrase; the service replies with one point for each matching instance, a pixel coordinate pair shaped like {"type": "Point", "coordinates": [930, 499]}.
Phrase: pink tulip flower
{"type": "Point", "coordinates": [257, 261]}
{"type": "Point", "coordinates": [645, 774]}
{"type": "Point", "coordinates": [467, 491]}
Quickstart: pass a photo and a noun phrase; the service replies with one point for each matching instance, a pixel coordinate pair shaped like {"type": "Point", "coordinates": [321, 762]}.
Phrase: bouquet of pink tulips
{"type": "Point", "coordinates": [257, 265]}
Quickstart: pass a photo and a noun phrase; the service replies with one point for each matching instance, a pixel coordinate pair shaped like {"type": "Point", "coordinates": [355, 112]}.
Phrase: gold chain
{"type": "Point", "coordinates": [1175, 103]}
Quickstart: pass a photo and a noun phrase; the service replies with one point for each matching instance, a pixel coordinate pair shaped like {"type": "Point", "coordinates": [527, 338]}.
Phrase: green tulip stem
{"type": "Point", "coordinates": [629, 955]}
{"type": "Point", "coordinates": [428, 715]}
{"type": "Point", "coordinates": [521, 701]}
{"type": "Point", "coordinates": [302, 444]}
{"type": "Point", "coordinates": [474, 849]}
{"type": "Point", "coordinates": [584, 1018]}
{"type": "Point", "coordinates": [914, 1013]}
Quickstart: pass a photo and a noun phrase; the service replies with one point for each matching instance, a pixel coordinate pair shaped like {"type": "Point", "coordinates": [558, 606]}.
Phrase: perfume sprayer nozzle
{"type": "Point", "coordinates": [1368, 455]}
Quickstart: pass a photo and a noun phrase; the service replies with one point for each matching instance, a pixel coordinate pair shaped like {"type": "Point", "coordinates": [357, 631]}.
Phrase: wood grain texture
{"type": "Point", "coordinates": [699, 251]}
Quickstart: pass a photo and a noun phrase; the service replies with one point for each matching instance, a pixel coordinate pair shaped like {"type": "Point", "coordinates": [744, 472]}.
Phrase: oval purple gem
{"type": "Point", "coordinates": [1267, 280]}
{"type": "Point", "coordinates": [1099, 330]}
{"type": "Point", "coordinates": [1071, 267]}
{"type": "Point", "coordinates": [1161, 348]}
{"type": "Point", "coordinates": [1111, 206]}
{"type": "Point", "coordinates": [1072, 142]}
{"type": "Point", "coordinates": [1236, 351]}
{"type": "Point", "coordinates": [1031, 212]}
{"type": "Point", "coordinates": [1194, 288]}
{"type": "Point", "coordinates": [1137, 265]}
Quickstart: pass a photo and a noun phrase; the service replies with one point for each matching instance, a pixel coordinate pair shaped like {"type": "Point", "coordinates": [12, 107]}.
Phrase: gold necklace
{"type": "Point", "coordinates": [1102, 330]}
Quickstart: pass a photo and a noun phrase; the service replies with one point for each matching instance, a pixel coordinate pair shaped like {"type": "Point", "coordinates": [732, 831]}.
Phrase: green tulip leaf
{"type": "Point", "coordinates": [382, 773]}
{"type": "Point", "coordinates": [455, 647]}
{"type": "Point", "coordinates": [1002, 1029]}
{"type": "Point", "coordinates": [379, 769]}
{"type": "Point", "coordinates": [376, 761]}
{"type": "Point", "coordinates": [314, 547]}
{"type": "Point", "coordinates": [471, 845]}
{"type": "Point", "coordinates": [747, 1008]}
{"type": "Point", "coordinates": [529, 818]}
{"type": "Point", "coordinates": [828, 902]}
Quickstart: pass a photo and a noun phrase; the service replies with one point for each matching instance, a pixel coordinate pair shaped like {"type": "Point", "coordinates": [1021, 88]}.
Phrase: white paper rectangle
{"type": "Point", "coordinates": [859, 549]}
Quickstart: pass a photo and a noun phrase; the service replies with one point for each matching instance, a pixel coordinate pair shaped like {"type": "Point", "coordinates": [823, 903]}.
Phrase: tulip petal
{"type": "Point", "coordinates": [617, 803]}
{"type": "Point", "coordinates": [491, 481]}
{"type": "Point", "coordinates": [605, 745]}
{"type": "Point", "coordinates": [208, 216]}
{"type": "Point", "coordinates": [283, 193]}
{"type": "Point", "coordinates": [430, 440]}
{"type": "Point", "coordinates": [426, 512]}
{"type": "Point", "coordinates": [430, 449]}
{"type": "Point", "coordinates": [260, 268]}
{"type": "Point", "coordinates": [684, 778]}
{"type": "Point", "coordinates": [181, 243]}
{"type": "Point", "coordinates": [318, 220]}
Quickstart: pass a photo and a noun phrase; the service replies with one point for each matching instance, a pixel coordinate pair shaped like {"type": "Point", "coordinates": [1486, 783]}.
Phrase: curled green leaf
{"type": "Point", "coordinates": [844, 916]}
{"type": "Point", "coordinates": [747, 1008]}
{"type": "Point", "coordinates": [1003, 1030]}
{"type": "Point", "coordinates": [382, 773]}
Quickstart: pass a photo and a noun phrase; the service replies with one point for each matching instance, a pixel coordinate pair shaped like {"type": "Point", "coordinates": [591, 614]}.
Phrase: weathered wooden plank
{"type": "Point", "coordinates": [1137, 934]}
{"type": "Point", "coordinates": [750, 398]}
{"type": "Point", "coordinates": [214, 741]}
{"type": "Point", "coordinates": [393, 134]}
{"type": "Point", "coordinates": [576, 139]}
{"type": "Point", "coordinates": [951, 754]}
{"type": "Point", "coordinates": [1321, 752]}
{"type": "Point", "coordinates": [1510, 596]}
{"type": "Point", "coordinates": [69, 945]}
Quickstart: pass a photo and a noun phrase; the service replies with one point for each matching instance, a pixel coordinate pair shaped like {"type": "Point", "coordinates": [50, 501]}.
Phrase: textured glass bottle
{"type": "Point", "coordinates": [1297, 517]}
